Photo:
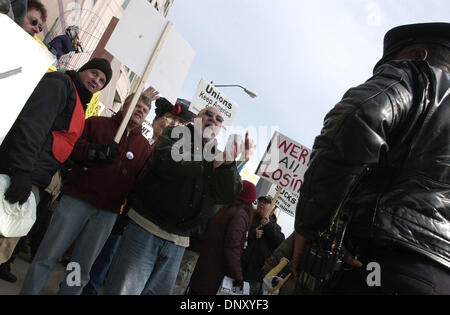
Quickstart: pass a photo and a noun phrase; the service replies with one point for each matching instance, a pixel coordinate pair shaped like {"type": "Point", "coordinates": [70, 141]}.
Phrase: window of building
{"type": "Point", "coordinates": [125, 4]}
{"type": "Point", "coordinates": [166, 5]}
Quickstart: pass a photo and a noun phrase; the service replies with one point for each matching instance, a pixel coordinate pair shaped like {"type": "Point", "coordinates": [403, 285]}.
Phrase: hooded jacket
{"type": "Point", "coordinates": [384, 154]}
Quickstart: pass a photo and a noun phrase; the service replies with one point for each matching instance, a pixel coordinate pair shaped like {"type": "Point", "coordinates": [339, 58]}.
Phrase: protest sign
{"type": "Point", "coordinates": [208, 95]}
{"type": "Point", "coordinates": [23, 63]}
{"type": "Point", "coordinates": [284, 164]}
{"type": "Point", "coordinates": [93, 108]}
{"type": "Point", "coordinates": [147, 130]}
{"type": "Point", "coordinates": [286, 201]}
{"type": "Point", "coordinates": [137, 37]}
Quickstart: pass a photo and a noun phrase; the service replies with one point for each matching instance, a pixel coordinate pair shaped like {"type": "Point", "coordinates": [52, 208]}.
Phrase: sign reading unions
{"type": "Point", "coordinates": [208, 95]}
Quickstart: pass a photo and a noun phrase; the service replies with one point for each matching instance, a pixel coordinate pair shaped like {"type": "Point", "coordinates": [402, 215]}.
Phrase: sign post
{"type": "Point", "coordinates": [142, 81]}
{"type": "Point", "coordinates": [149, 46]}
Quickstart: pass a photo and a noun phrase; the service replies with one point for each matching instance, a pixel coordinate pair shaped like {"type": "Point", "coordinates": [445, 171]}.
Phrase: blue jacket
{"type": "Point", "coordinates": [62, 45]}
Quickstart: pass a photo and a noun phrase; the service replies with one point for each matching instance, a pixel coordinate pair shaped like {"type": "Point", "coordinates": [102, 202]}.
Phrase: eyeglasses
{"type": "Point", "coordinates": [211, 114]}
{"type": "Point", "coordinates": [35, 22]}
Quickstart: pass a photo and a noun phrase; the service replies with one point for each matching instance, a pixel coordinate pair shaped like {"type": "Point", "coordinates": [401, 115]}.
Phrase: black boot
{"type": "Point", "coordinates": [5, 273]}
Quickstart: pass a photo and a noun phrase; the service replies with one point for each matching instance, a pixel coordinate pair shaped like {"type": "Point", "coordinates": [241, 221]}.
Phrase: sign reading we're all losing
{"type": "Point", "coordinates": [208, 95]}
{"type": "Point", "coordinates": [284, 164]}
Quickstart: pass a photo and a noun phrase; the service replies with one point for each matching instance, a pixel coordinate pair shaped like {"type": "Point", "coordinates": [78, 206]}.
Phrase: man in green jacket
{"type": "Point", "coordinates": [170, 199]}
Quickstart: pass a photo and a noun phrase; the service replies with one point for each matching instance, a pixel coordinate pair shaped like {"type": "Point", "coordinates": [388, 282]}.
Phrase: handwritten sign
{"type": "Point", "coordinates": [285, 163]}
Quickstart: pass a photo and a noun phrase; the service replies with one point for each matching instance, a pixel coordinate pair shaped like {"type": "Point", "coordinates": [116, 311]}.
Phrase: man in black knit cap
{"type": "Point", "coordinates": [44, 134]}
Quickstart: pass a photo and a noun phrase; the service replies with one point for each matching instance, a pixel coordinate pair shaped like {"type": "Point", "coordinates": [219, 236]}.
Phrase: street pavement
{"type": "Point", "coordinates": [20, 267]}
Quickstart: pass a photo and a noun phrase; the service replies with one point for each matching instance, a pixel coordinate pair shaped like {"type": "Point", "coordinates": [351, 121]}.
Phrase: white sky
{"type": "Point", "coordinates": [299, 56]}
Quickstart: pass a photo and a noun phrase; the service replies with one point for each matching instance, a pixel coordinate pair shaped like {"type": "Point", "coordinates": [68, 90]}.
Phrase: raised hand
{"type": "Point", "coordinates": [151, 93]}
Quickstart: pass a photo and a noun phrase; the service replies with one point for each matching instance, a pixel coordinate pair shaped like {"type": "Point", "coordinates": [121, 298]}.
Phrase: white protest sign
{"type": "Point", "coordinates": [208, 95]}
{"type": "Point", "coordinates": [285, 163]}
{"type": "Point", "coordinates": [23, 63]}
{"type": "Point", "coordinates": [135, 40]}
{"type": "Point", "coordinates": [147, 130]}
{"type": "Point", "coordinates": [287, 200]}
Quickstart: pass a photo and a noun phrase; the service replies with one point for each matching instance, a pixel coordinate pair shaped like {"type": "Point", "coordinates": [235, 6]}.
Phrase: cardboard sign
{"type": "Point", "coordinates": [208, 95]}
{"type": "Point", "coordinates": [287, 201]}
{"type": "Point", "coordinates": [285, 163]}
{"type": "Point", "coordinates": [93, 108]}
{"type": "Point", "coordinates": [23, 63]}
{"type": "Point", "coordinates": [135, 40]}
{"type": "Point", "coordinates": [147, 130]}
{"type": "Point", "coordinates": [227, 287]}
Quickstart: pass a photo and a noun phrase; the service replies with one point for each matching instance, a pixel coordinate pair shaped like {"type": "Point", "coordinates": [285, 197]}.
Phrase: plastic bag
{"type": "Point", "coordinates": [227, 288]}
{"type": "Point", "coordinates": [15, 220]}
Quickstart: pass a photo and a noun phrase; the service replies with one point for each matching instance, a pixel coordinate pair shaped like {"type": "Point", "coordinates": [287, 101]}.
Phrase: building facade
{"type": "Point", "coordinates": [94, 18]}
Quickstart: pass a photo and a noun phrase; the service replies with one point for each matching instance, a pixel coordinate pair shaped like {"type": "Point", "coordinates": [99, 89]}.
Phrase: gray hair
{"type": "Point", "coordinates": [144, 99]}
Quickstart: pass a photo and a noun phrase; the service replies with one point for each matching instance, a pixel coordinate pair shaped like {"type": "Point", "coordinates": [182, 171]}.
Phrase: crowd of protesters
{"type": "Point", "coordinates": [150, 217]}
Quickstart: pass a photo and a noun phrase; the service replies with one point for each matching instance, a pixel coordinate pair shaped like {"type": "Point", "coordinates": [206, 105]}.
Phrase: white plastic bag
{"type": "Point", "coordinates": [227, 288]}
{"type": "Point", "coordinates": [15, 220]}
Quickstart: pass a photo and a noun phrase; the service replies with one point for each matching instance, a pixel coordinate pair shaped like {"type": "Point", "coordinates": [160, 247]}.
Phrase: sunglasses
{"type": "Point", "coordinates": [211, 114]}
{"type": "Point", "coordinates": [35, 22]}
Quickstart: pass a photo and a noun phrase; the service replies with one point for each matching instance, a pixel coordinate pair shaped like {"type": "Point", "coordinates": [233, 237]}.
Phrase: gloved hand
{"type": "Point", "coordinates": [20, 188]}
{"type": "Point", "coordinates": [105, 153]}
{"type": "Point", "coordinates": [4, 6]}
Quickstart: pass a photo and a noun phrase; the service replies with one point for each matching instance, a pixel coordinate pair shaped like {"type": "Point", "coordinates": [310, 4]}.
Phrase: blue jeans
{"type": "Point", "coordinates": [101, 266]}
{"type": "Point", "coordinates": [73, 219]}
{"type": "Point", "coordinates": [144, 264]}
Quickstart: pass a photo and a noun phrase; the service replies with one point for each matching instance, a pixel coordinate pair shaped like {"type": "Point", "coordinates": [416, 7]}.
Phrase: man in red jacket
{"type": "Point", "coordinates": [94, 192]}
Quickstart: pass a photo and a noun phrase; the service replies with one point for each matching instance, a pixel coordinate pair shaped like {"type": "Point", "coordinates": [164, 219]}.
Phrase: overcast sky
{"type": "Point", "coordinates": [299, 56]}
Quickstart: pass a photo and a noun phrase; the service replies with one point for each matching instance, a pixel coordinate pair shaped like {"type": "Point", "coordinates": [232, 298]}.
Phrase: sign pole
{"type": "Point", "coordinates": [274, 201]}
{"type": "Point", "coordinates": [142, 81]}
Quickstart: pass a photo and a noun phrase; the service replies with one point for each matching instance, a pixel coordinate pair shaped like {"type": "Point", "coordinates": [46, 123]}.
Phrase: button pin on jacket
{"type": "Point", "coordinates": [130, 155]}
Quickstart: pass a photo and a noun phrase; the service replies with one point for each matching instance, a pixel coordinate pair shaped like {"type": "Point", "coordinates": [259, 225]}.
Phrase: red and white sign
{"type": "Point", "coordinates": [285, 163]}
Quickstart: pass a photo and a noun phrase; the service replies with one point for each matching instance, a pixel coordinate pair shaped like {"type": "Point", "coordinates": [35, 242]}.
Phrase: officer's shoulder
{"type": "Point", "coordinates": [402, 68]}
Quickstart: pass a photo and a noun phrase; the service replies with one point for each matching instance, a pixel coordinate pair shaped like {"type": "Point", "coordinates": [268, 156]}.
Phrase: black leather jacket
{"type": "Point", "coordinates": [384, 152]}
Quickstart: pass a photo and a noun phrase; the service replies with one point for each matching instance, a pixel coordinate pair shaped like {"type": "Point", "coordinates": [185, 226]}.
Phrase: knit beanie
{"type": "Point", "coordinates": [180, 109]}
{"type": "Point", "coordinates": [100, 64]}
{"type": "Point", "coordinates": [248, 192]}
